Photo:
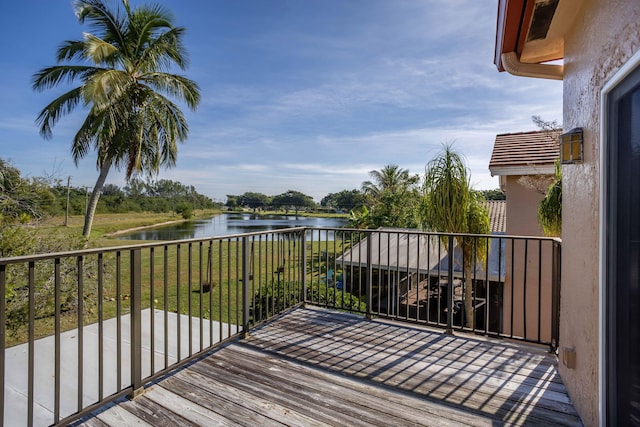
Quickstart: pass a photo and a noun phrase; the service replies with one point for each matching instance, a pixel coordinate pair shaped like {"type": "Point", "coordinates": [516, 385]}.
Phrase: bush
{"type": "Point", "coordinates": [334, 298]}
{"type": "Point", "coordinates": [185, 210]}
{"type": "Point", "coordinates": [18, 240]}
{"type": "Point", "coordinates": [550, 208]}
{"type": "Point", "coordinates": [272, 299]}
{"type": "Point", "coordinates": [275, 298]}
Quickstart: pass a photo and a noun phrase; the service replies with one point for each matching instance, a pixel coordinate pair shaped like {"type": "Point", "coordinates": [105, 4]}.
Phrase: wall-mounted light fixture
{"type": "Point", "coordinates": [571, 146]}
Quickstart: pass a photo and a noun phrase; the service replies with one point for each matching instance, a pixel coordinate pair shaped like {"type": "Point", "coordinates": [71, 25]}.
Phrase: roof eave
{"type": "Point", "coordinates": [533, 169]}
{"type": "Point", "coordinates": [508, 28]}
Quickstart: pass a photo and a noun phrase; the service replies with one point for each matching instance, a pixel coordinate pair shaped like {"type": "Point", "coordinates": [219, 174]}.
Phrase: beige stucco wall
{"type": "Point", "coordinates": [522, 208]}
{"type": "Point", "coordinates": [527, 285]}
{"type": "Point", "coordinates": [604, 35]}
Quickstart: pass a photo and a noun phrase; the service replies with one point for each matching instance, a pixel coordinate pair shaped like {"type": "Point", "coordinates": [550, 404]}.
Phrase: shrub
{"type": "Point", "coordinates": [185, 210]}
{"type": "Point", "coordinates": [18, 240]}
{"type": "Point", "coordinates": [334, 298]}
{"type": "Point", "coordinates": [274, 298]}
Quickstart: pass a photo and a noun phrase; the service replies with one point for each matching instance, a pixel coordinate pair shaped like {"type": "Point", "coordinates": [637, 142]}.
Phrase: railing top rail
{"type": "Point", "coordinates": [66, 254]}
{"type": "Point", "coordinates": [414, 231]}
{"type": "Point", "coordinates": [78, 252]}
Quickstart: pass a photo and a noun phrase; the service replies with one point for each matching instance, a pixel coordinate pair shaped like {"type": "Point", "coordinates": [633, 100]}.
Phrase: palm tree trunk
{"type": "Point", "coordinates": [468, 293]}
{"type": "Point", "coordinates": [95, 195]}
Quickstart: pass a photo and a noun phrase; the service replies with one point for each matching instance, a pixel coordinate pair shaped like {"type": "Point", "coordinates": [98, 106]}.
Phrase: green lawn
{"type": "Point", "coordinates": [173, 275]}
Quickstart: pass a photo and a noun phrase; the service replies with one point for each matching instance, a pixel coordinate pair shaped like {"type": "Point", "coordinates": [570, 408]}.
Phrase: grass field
{"type": "Point", "coordinates": [174, 277]}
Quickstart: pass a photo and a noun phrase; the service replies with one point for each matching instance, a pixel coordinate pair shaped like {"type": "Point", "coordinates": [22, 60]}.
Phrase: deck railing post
{"type": "Point", "coordinates": [245, 286]}
{"type": "Point", "coordinates": [135, 260]}
{"type": "Point", "coordinates": [555, 297]}
{"type": "Point", "coordinates": [449, 329]}
{"type": "Point", "coordinates": [369, 277]}
{"type": "Point", "coordinates": [303, 270]}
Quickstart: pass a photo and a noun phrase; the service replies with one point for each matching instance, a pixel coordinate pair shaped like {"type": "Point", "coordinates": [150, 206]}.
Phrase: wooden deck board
{"type": "Point", "coordinates": [411, 371]}
{"type": "Point", "coordinates": [317, 367]}
{"type": "Point", "coordinates": [503, 358]}
{"type": "Point", "coordinates": [118, 416]}
{"type": "Point", "coordinates": [406, 410]}
{"type": "Point", "coordinates": [321, 396]}
{"type": "Point", "coordinates": [202, 407]}
{"type": "Point", "coordinates": [448, 388]}
{"type": "Point", "coordinates": [218, 394]}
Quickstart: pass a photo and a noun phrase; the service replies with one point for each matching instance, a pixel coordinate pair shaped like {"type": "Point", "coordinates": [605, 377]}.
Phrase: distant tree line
{"type": "Point", "coordinates": [390, 199]}
{"type": "Point", "coordinates": [495, 194]}
{"type": "Point", "coordinates": [24, 200]}
{"type": "Point", "coordinates": [290, 200]}
{"type": "Point", "coordinates": [161, 195]}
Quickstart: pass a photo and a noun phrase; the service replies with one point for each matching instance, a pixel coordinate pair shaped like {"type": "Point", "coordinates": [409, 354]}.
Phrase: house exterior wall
{"type": "Point", "coordinates": [604, 35]}
{"type": "Point", "coordinates": [522, 208]}
{"type": "Point", "coordinates": [527, 284]}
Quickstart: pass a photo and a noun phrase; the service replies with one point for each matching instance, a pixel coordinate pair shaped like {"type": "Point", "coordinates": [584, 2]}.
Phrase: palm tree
{"type": "Point", "coordinates": [391, 198]}
{"type": "Point", "coordinates": [123, 70]}
{"type": "Point", "coordinates": [451, 206]}
{"type": "Point", "coordinates": [389, 177]}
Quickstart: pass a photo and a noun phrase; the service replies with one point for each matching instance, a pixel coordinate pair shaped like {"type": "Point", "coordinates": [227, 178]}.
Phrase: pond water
{"type": "Point", "coordinates": [231, 223]}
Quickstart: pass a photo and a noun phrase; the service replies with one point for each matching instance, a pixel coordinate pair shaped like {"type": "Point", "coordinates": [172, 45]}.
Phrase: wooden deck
{"type": "Point", "coordinates": [315, 367]}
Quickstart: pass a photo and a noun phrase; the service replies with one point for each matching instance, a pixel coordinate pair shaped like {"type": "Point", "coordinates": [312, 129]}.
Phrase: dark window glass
{"type": "Point", "coordinates": [623, 253]}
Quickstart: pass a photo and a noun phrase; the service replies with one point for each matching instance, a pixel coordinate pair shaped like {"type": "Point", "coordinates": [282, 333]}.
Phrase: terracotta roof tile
{"type": "Point", "coordinates": [525, 149]}
{"type": "Point", "coordinates": [497, 215]}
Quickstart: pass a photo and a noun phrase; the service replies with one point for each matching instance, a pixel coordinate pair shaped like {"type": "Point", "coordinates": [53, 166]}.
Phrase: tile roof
{"type": "Point", "coordinates": [525, 150]}
{"type": "Point", "coordinates": [497, 215]}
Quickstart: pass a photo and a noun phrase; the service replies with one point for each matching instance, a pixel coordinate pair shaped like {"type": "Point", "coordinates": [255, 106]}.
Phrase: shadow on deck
{"type": "Point", "coordinates": [318, 367]}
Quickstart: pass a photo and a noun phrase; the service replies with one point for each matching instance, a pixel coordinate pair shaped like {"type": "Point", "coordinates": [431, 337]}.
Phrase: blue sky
{"type": "Point", "coordinates": [307, 95]}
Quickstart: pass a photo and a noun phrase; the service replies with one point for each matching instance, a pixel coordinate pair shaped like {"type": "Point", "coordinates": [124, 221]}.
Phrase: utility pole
{"type": "Point", "coordinates": [66, 215]}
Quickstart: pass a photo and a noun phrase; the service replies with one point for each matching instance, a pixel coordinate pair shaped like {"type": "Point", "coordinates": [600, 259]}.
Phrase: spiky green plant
{"type": "Point", "coordinates": [450, 205]}
{"type": "Point", "coordinates": [550, 208]}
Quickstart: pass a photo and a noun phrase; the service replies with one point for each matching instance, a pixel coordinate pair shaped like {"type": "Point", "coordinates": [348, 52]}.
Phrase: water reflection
{"type": "Point", "coordinates": [235, 223]}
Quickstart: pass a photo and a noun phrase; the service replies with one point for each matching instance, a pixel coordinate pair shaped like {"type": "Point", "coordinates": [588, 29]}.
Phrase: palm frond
{"type": "Point", "coordinates": [174, 85]}
{"type": "Point", "coordinates": [71, 50]}
{"type": "Point", "coordinates": [107, 88]}
{"type": "Point", "coordinates": [52, 76]}
{"type": "Point", "coordinates": [109, 26]}
{"type": "Point", "coordinates": [99, 51]}
{"type": "Point", "coordinates": [168, 116]}
{"type": "Point", "coordinates": [57, 108]}
{"type": "Point", "coordinates": [82, 143]}
{"type": "Point", "coordinates": [164, 51]}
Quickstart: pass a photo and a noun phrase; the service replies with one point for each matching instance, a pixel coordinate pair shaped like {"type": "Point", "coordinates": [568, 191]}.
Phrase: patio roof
{"type": "Point", "coordinates": [497, 216]}
{"type": "Point", "coordinates": [396, 249]}
{"type": "Point", "coordinates": [317, 367]}
{"type": "Point", "coordinates": [414, 252]}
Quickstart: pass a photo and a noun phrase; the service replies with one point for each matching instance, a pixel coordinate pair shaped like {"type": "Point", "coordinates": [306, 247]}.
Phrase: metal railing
{"type": "Point", "coordinates": [82, 328]}
{"type": "Point", "coordinates": [509, 285]}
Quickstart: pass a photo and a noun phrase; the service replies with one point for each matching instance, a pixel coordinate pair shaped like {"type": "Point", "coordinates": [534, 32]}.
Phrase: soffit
{"type": "Point", "coordinates": [534, 29]}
